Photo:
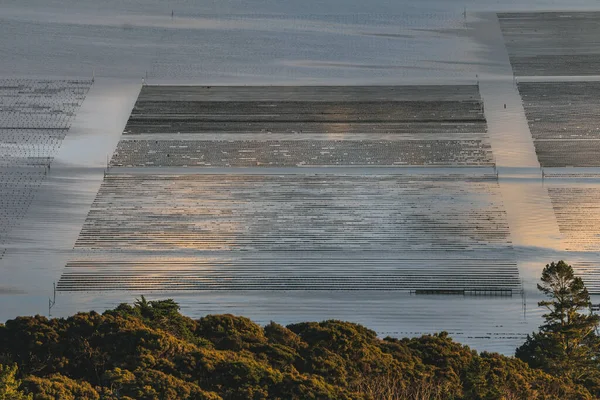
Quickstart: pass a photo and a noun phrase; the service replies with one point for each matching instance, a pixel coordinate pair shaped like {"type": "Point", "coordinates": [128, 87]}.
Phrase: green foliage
{"type": "Point", "coordinates": [491, 376]}
{"type": "Point", "coordinates": [567, 344]}
{"type": "Point", "coordinates": [9, 384]}
{"type": "Point", "coordinates": [152, 384]}
{"type": "Point", "coordinates": [57, 386]}
{"type": "Point", "coordinates": [228, 332]}
{"type": "Point", "coordinates": [161, 314]}
{"type": "Point", "coordinates": [148, 350]}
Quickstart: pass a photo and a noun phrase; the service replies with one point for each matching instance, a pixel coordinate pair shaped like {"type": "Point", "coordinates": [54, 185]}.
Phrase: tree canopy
{"type": "Point", "coordinates": [148, 350]}
{"type": "Point", "coordinates": [9, 384]}
{"type": "Point", "coordinates": [567, 343]}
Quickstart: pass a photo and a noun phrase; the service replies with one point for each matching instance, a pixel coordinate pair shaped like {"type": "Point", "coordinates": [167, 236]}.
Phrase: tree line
{"type": "Point", "coordinates": [149, 350]}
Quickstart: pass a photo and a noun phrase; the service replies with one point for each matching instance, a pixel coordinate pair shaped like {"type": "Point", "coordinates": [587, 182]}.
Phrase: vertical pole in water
{"type": "Point", "coordinates": [52, 302]}
{"type": "Point", "coordinates": [543, 176]}
{"type": "Point", "coordinates": [93, 75]}
{"type": "Point", "coordinates": [524, 299]}
{"type": "Point", "coordinates": [524, 304]}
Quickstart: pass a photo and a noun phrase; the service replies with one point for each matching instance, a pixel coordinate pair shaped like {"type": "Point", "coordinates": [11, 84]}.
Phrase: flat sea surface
{"type": "Point", "coordinates": [248, 42]}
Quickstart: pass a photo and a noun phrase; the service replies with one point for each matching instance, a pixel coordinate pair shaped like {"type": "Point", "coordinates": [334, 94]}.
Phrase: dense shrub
{"type": "Point", "coordinates": [151, 351]}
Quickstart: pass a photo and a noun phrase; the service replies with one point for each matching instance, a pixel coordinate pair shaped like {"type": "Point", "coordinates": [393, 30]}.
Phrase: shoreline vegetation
{"type": "Point", "coordinates": [149, 350]}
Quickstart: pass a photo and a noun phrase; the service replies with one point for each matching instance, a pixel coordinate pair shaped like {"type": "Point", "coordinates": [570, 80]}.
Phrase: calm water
{"type": "Point", "coordinates": [247, 42]}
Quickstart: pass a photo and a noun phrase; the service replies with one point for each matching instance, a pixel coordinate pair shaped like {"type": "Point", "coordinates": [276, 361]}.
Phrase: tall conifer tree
{"type": "Point", "coordinates": [567, 343]}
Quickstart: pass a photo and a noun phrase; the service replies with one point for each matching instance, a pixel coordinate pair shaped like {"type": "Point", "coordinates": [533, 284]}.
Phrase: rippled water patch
{"type": "Point", "coordinates": [435, 125]}
{"type": "Point", "coordinates": [293, 109]}
{"type": "Point", "coordinates": [578, 213]}
{"type": "Point", "coordinates": [301, 212]}
{"type": "Point", "coordinates": [282, 153]}
{"type": "Point", "coordinates": [316, 271]}
{"type": "Point", "coordinates": [563, 119]}
{"type": "Point", "coordinates": [552, 43]}
{"type": "Point", "coordinates": [35, 116]}
{"type": "Point", "coordinates": [295, 232]}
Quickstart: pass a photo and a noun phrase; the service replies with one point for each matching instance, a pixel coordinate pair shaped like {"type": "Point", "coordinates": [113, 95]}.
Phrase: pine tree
{"type": "Point", "coordinates": [567, 343]}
